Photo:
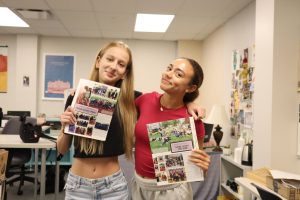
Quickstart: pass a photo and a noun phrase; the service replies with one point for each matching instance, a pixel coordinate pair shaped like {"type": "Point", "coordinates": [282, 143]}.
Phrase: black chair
{"type": "Point", "coordinates": [266, 195]}
{"type": "Point", "coordinates": [17, 158]}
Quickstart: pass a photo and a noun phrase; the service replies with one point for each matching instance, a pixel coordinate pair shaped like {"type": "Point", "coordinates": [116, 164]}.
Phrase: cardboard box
{"type": "Point", "coordinates": [288, 188]}
{"type": "Point", "coordinates": [3, 163]}
{"type": "Point", "coordinates": [2, 189]}
{"type": "Point", "coordinates": [259, 175]}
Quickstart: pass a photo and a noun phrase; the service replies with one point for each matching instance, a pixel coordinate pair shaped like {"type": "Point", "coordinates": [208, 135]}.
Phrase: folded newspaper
{"type": "Point", "coordinates": [94, 104]}
{"type": "Point", "coordinates": [171, 143]}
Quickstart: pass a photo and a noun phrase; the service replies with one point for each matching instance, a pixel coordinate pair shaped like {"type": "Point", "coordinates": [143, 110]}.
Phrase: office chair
{"type": "Point", "coordinates": [17, 157]}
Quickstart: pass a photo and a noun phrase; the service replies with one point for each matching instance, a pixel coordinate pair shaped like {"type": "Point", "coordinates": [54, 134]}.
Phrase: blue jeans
{"type": "Point", "coordinates": [113, 187]}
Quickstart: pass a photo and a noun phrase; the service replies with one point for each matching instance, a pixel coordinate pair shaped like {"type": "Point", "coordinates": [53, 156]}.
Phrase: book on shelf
{"type": "Point", "coordinates": [94, 104]}
{"type": "Point", "coordinates": [171, 143]}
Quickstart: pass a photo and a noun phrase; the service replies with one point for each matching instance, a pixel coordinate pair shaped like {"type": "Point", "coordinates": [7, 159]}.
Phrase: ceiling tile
{"type": "Point", "coordinates": [44, 23]}
{"type": "Point", "coordinates": [74, 5]}
{"type": "Point", "coordinates": [188, 24]}
{"type": "Point", "coordinates": [28, 4]}
{"type": "Point", "coordinates": [194, 19]}
{"type": "Point", "coordinates": [150, 36]}
{"type": "Point", "coordinates": [85, 33]}
{"type": "Point", "coordinates": [119, 6]}
{"type": "Point", "coordinates": [209, 28]}
{"type": "Point", "coordinates": [159, 7]}
{"type": "Point", "coordinates": [203, 8]}
{"type": "Point", "coordinates": [233, 8]}
{"type": "Point", "coordinates": [116, 21]}
{"type": "Point", "coordinates": [117, 34]}
{"type": "Point", "coordinates": [53, 32]}
{"type": "Point", "coordinates": [179, 35]}
{"type": "Point", "coordinates": [18, 30]}
{"type": "Point", "coordinates": [77, 20]}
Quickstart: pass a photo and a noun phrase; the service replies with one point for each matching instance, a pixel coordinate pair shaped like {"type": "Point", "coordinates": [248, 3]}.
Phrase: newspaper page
{"type": "Point", "coordinates": [94, 104]}
{"type": "Point", "coordinates": [171, 143]}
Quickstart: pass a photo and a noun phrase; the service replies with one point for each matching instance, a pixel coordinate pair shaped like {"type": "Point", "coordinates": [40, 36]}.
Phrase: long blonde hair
{"type": "Point", "coordinates": [125, 107]}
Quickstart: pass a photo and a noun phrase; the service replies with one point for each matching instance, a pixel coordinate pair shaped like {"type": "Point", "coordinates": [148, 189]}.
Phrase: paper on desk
{"type": "Point", "coordinates": [276, 174]}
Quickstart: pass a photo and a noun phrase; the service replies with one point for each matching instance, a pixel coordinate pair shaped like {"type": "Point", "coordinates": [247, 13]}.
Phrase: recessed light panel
{"type": "Point", "coordinates": [152, 22]}
{"type": "Point", "coordinates": [9, 18]}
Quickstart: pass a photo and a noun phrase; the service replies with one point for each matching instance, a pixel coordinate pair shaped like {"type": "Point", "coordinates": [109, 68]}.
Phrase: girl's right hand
{"type": "Point", "coordinates": [68, 117]}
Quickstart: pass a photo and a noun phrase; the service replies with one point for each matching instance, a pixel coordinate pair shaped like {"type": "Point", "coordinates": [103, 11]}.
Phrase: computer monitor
{"type": "Point", "coordinates": [18, 113]}
{"type": "Point", "coordinates": [208, 130]}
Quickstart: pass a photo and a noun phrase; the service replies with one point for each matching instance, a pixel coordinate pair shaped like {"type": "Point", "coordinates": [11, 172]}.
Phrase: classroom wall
{"type": "Point", "coordinates": [236, 34]}
{"type": "Point", "coordinates": [22, 61]}
{"type": "Point", "coordinates": [277, 61]}
{"type": "Point", "coordinates": [150, 59]}
{"type": "Point", "coordinates": [284, 104]}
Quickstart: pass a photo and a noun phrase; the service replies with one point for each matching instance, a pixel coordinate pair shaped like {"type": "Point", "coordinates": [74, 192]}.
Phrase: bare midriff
{"type": "Point", "coordinates": [93, 168]}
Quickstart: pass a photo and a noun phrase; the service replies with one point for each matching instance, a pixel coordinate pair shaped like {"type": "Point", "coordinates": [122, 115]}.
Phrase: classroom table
{"type": "Point", "coordinates": [14, 141]}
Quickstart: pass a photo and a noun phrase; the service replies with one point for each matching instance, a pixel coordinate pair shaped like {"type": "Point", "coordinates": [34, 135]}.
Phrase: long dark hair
{"type": "Point", "coordinates": [197, 80]}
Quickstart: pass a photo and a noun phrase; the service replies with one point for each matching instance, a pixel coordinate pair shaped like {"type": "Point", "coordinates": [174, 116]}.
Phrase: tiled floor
{"type": "Point", "coordinates": [28, 190]}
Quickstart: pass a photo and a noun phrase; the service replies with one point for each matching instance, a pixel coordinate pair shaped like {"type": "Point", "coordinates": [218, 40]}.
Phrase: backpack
{"type": "Point", "coordinates": [29, 133]}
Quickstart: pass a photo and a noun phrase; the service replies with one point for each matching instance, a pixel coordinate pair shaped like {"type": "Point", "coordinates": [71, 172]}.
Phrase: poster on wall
{"type": "Point", "coordinates": [242, 89]}
{"type": "Point", "coordinates": [58, 75]}
{"type": "Point", "coordinates": [3, 69]}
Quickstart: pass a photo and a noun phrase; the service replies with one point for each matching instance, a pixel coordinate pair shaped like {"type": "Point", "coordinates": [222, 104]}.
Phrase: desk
{"type": "Point", "coordinates": [246, 184]}
{"type": "Point", "coordinates": [14, 141]}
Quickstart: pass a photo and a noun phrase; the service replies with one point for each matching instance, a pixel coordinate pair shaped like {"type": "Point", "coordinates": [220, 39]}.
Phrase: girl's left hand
{"type": "Point", "coordinates": [201, 159]}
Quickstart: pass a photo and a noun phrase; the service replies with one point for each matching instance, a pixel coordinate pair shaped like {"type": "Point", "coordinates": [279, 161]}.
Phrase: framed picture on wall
{"type": "Point", "coordinates": [58, 75]}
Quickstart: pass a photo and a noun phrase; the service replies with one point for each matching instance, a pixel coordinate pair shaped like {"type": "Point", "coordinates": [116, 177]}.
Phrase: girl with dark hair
{"type": "Point", "coordinates": [180, 83]}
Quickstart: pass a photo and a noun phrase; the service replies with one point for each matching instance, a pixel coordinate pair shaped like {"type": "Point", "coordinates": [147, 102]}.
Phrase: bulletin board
{"type": "Point", "coordinates": [242, 90]}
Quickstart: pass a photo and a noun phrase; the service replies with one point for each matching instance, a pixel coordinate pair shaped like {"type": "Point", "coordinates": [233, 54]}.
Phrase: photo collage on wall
{"type": "Point", "coordinates": [242, 89]}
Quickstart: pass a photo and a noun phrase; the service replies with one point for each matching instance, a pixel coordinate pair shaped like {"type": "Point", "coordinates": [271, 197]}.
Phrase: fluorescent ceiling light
{"type": "Point", "coordinates": [9, 18]}
{"type": "Point", "coordinates": [152, 22]}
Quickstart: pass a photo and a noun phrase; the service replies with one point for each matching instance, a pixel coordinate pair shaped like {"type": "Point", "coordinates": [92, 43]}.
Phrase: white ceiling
{"type": "Point", "coordinates": [194, 19]}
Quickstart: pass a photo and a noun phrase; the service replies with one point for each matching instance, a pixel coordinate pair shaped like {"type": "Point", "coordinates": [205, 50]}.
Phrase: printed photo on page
{"type": "Point", "coordinates": [171, 143]}
{"type": "Point", "coordinates": [94, 104]}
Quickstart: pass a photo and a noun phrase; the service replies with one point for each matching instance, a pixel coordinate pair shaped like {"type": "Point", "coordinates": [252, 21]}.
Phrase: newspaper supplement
{"type": "Point", "coordinates": [94, 104]}
{"type": "Point", "coordinates": [171, 143]}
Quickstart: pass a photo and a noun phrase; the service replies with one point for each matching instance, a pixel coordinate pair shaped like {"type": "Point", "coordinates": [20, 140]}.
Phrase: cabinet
{"type": "Point", "coordinates": [230, 170]}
